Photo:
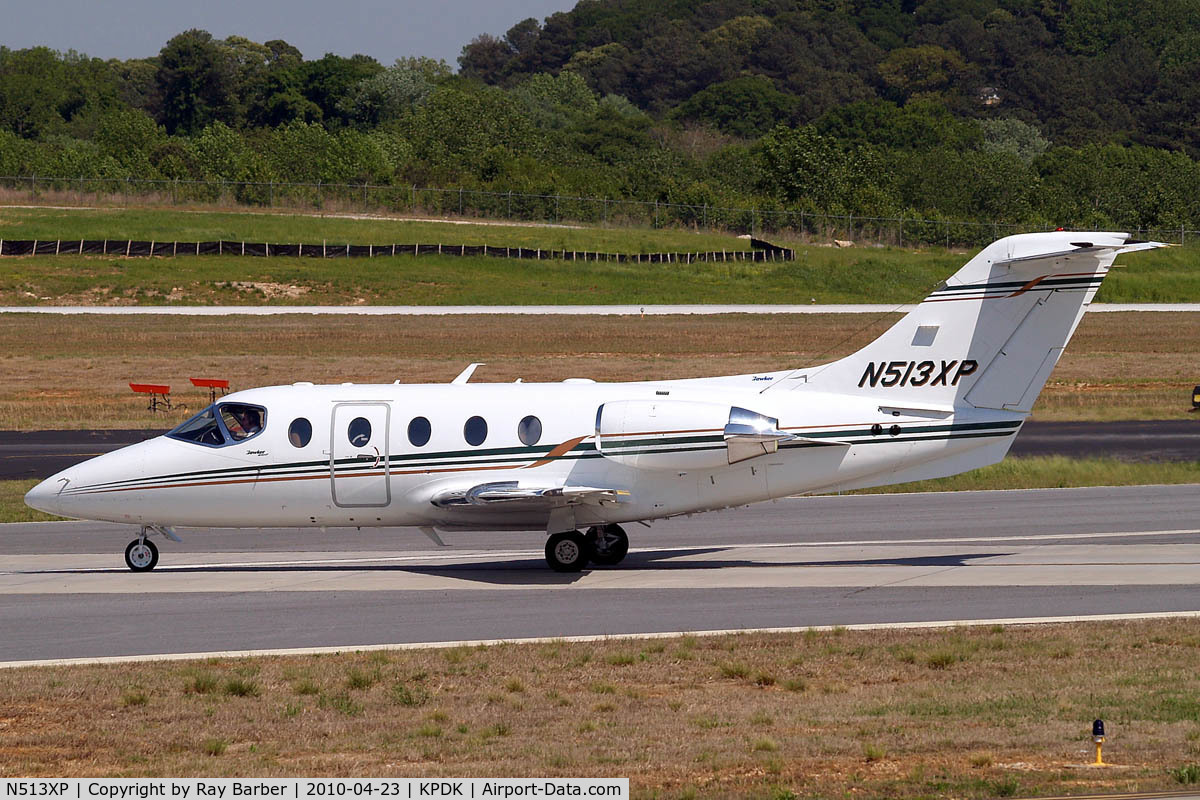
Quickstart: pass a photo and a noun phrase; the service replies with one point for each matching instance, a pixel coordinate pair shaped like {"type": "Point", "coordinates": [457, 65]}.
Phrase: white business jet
{"type": "Point", "coordinates": [944, 390]}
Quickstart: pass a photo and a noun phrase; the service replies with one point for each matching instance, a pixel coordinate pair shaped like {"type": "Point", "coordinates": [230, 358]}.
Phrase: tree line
{"type": "Point", "coordinates": [1026, 113]}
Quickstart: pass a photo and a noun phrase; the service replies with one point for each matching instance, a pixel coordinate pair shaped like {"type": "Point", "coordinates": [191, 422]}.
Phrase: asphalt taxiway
{"type": "Point", "coordinates": [65, 593]}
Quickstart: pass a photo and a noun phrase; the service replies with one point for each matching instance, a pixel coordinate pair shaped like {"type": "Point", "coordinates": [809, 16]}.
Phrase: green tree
{"type": "Point", "coordinates": [799, 164]}
{"type": "Point", "coordinates": [1014, 137]}
{"type": "Point", "coordinates": [748, 106]}
{"type": "Point", "coordinates": [221, 154]}
{"type": "Point", "coordinates": [196, 81]}
{"type": "Point", "coordinates": [553, 101]}
{"type": "Point", "coordinates": [394, 92]}
{"type": "Point", "coordinates": [326, 81]}
{"type": "Point", "coordinates": [485, 59]}
{"type": "Point", "coordinates": [916, 70]}
{"type": "Point", "coordinates": [32, 88]}
{"type": "Point", "coordinates": [130, 138]}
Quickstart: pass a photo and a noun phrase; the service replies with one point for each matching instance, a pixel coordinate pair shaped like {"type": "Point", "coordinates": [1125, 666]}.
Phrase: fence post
{"type": "Point", "coordinates": [902, 232]}
{"type": "Point", "coordinates": [606, 211]}
{"type": "Point", "coordinates": [33, 185]}
{"type": "Point", "coordinates": [509, 204]}
{"type": "Point", "coordinates": [460, 202]}
{"type": "Point", "coordinates": [556, 208]}
{"type": "Point", "coordinates": [656, 213]}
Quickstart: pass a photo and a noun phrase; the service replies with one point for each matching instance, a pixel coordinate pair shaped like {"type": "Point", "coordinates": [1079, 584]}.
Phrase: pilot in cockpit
{"type": "Point", "coordinates": [246, 422]}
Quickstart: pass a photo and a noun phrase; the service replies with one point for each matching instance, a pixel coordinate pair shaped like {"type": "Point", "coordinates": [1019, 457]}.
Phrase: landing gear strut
{"type": "Point", "coordinates": [141, 555]}
{"type": "Point", "coordinates": [609, 544]}
{"type": "Point", "coordinates": [568, 552]}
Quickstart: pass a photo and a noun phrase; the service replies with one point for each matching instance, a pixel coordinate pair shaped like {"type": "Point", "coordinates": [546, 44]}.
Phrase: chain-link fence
{"type": "Point", "coordinates": [794, 223]}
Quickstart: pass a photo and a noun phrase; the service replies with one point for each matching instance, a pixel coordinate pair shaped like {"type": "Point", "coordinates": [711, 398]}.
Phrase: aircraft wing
{"type": "Point", "coordinates": [516, 493]}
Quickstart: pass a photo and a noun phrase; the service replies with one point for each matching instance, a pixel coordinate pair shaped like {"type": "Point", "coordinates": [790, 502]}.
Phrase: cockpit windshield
{"type": "Point", "coordinates": [222, 424]}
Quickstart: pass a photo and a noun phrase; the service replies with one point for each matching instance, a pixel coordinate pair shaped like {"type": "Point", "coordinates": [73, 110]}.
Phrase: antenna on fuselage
{"type": "Point", "coordinates": [466, 374]}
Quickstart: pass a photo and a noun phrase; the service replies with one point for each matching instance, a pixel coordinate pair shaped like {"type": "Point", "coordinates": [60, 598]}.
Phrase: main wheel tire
{"type": "Point", "coordinates": [568, 552]}
{"type": "Point", "coordinates": [609, 544]}
{"type": "Point", "coordinates": [141, 556]}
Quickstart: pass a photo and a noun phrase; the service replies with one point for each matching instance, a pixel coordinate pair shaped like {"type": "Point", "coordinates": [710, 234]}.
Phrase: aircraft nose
{"type": "Point", "coordinates": [44, 496]}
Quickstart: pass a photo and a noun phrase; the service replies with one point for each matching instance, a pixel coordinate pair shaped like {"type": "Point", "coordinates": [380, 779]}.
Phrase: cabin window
{"type": "Point", "coordinates": [241, 421]}
{"type": "Point", "coordinates": [202, 429]}
{"type": "Point", "coordinates": [359, 432]}
{"type": "Point", "coordinates": [419, 432]}
{"type": "Point", "coordinates": [300, 432]}
{"type": "Point", "coordinates": [529, 430]}
{"type": "Point", "coordinates": [475, 431]}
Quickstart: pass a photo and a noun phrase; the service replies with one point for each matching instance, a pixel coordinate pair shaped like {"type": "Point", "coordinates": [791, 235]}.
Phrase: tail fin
{"type": "Point", "coordinates": [989, 336]}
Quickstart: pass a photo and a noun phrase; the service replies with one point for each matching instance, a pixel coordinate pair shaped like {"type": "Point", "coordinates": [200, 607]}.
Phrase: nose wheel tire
{"type": "Point", "coordinates": [141, 555]}
{"type": "Point", "coordinates": [609, 544]}
{"type": "Point", "coordinates": [568, 552]}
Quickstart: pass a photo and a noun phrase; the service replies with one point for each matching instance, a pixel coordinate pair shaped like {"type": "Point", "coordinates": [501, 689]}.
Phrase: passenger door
{"type": "Point", "coordinates": [358, 455]}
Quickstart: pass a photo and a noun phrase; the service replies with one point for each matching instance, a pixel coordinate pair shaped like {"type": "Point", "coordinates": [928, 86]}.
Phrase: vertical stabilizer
{"type": "Point", "coordinates": [988, 337]}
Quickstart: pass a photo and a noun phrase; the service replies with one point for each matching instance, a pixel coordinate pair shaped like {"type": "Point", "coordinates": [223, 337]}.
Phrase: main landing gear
{"type": "Point", "coordinates": [603, 545]}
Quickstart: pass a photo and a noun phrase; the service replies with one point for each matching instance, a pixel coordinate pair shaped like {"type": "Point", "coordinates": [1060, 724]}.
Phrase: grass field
{"type": "Point", "coordinates": [74, 371]}
{"type": "Point", "coordinates": [1038, 472]}
{"type": "Point", "coordinates": [968, 712]}
{"type": "Point", "coordinates": [820, 274]}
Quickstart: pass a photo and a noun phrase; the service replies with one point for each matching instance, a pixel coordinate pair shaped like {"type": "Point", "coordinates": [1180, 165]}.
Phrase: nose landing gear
{"type": "Point", "coordinates": [141, 555]}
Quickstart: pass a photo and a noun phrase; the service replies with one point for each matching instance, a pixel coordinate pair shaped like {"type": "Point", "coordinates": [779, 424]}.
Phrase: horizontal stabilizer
{"type": "Point", "coordinates": [1079, 249]}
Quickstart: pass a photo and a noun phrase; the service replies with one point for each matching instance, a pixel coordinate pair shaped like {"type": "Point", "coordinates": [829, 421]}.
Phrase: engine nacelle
{"type": "Point", "coordinates": [683, 435]}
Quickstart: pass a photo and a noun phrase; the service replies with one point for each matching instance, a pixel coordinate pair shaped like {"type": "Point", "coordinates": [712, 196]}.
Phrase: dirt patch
{"type": "Point", "coordinates": [268, 290]}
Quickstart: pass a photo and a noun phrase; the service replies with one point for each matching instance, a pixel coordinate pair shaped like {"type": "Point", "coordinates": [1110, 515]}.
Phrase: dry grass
{"type": "Point", "coordinates": [975, 712]}
{"type": "Point", "coordinates": [73, 371]}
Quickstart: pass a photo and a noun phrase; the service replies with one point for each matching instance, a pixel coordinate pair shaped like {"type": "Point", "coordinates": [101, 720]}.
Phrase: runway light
{"type": "Point", "coordinates": [1196, 399]}
{"type": "Point", "coordinates": [1098, 738]}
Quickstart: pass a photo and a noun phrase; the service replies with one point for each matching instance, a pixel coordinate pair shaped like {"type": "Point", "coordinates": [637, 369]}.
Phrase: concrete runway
{"type": "Point", "coordinates": [40, 454]}
{"type": "Point", "coordinates": [65, 593]}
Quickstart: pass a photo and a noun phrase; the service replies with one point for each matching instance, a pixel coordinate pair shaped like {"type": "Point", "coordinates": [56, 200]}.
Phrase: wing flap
{"type": "Point", "coordinates": [514, 493]}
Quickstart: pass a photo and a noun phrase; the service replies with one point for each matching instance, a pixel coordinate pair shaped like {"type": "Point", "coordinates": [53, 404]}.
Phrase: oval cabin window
{"type": "Point", "coordinates": [529, 430]}
{"type": "Point", "coordinates": [475, 431]}
{"type": "Point", "coordinates": [300, 432]}
{"type": "Point", "coordinates": [359, 432]}
{"type": "Point", "coordinates": [419, 431]}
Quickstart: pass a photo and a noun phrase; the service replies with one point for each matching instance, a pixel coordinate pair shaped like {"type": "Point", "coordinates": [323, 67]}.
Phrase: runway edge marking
{"type": "Point", "coordinates": [605, 637]}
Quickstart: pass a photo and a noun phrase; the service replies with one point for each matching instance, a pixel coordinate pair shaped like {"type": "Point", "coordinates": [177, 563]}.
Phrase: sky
{"type": "Point", "coordinates": [385, 29]}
